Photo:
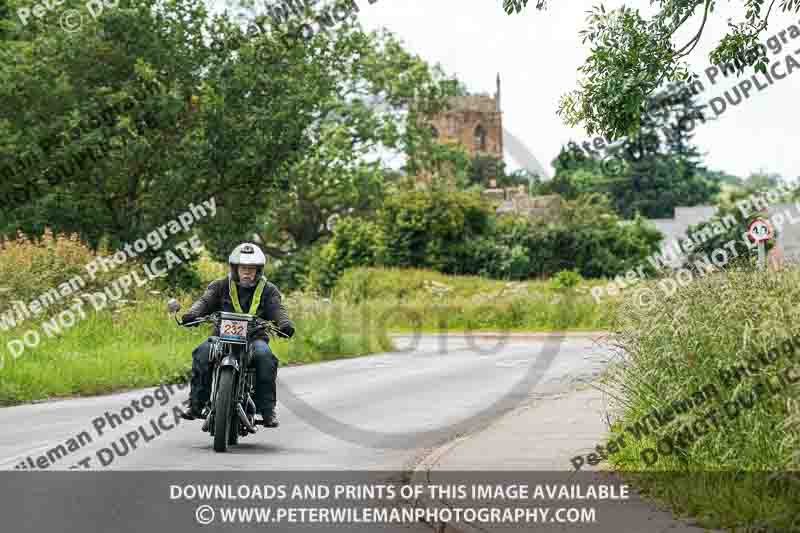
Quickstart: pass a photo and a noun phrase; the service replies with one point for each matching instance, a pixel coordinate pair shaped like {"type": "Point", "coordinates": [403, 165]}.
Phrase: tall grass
{"type": "Point", "coordinates": [29, 268]}
{"type": "Point", "coordinates": [405, 299]}
{"type": "Point", "coordinates": [132, 342]}
{"type": "Point", "coordinates": [679, 348]}
{"type": "Point", "coordinates": [137, 344]}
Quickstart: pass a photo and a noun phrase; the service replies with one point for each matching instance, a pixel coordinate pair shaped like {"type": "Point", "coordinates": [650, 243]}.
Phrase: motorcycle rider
{"type": "Point", "coordinates": [244, 289]}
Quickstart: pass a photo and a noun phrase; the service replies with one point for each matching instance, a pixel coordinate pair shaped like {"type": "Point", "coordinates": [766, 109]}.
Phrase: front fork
{"type": "Point", "coordinates": [218, 353]}
{"type": "Point", "coordinates": [244, 387]}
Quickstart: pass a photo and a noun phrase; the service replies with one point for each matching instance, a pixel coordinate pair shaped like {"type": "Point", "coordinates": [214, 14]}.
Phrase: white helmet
{"type": "Point", "coordinates": [246, 253]}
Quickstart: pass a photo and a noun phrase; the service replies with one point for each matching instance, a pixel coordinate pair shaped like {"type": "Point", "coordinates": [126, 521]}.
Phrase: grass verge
{"type": "Point", "coordinates": [730, 455]}
{"type": "Point", "coordinates": [136, 344]}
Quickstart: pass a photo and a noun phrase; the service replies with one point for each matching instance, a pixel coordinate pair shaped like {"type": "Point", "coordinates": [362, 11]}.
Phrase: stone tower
{"type": "Point", "coordinates": [475, 122]}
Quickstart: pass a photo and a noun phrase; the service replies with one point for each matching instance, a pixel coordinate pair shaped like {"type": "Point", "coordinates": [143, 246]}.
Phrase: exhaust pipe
{"type": "Point", "coordinates": [251, 406]}
{"type": "Point", "coordinates": [244, 420]}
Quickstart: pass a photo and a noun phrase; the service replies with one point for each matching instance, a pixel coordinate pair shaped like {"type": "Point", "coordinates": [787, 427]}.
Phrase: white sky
{"type": "Point", "coordinates": [538, 52]}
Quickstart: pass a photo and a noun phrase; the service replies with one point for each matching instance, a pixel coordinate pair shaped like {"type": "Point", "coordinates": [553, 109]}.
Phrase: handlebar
{"type": "Point", "coordinates": [260, 323]}
{"type": "Point", "coordinates": [213, 317]}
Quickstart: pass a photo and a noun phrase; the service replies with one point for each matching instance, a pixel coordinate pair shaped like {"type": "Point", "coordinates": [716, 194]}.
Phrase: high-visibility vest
{"type": "Point", "coordinates": [234, 294]}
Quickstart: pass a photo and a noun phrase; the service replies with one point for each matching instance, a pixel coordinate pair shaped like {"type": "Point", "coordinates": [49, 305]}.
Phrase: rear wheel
{"type": "Point", "coordinates": [223, 409]}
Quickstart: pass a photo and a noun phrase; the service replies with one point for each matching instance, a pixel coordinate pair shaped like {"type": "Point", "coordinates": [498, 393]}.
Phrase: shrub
{"type": "Point", "coordinates": [504, 252]}
{"type": "Point", "coordinates": [354, 242]}
{"type": "Point", "coordinates": [291, 272]}
{"type": "Point", "coordinates": [31, 267]}
{"type": "Point", "coordinates": [456, 233]}
{"type": "Point", "coordinates": [433, 229]}
{"type": "Point", "coordinates": [590, 238]}
{"type": "Point", "coordinates": [566, 279]}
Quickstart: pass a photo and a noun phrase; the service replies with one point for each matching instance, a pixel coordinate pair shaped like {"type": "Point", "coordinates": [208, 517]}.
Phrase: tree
{"type": "Point", "coordinates": [632, 57]}
{"type": "Point", "coordinates": [5, 18]}
{"type": "Point", "coordinates": [433, 229]}
{"type": "Point", "coordinates": [155, 106]}
{"type": "Point", "coordinates": [648, 173]}
{"type": "Point", "coordinates": [370, 112]}
{"type": "Point", "coordinates": [354, 242]}
{"type": "Point", "coordinates": [723, 177]}
{"type": "Point", "coordinates": [590, 238]}
{"type": "Point", "coordinates": [762, 181]}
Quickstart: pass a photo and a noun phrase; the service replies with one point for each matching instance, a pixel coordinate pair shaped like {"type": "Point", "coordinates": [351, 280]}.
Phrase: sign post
{"type": "Point", "coordinates": [760, 230]}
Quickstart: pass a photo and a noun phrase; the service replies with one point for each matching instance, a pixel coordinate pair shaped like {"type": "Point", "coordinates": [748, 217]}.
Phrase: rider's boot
{"type": "Point", "coordinates": [192, 413]}
{"type": "Point", "coordinates": [269, 419]}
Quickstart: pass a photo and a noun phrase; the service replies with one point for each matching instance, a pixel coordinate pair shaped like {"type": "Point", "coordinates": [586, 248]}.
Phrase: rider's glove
{"type": "Point", "coordinates": [287, 329]}
{"type": "Point", "coordinates": [188, 318]}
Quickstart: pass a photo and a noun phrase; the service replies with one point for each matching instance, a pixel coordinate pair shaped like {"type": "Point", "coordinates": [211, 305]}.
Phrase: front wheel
{"type": "Point", "coordinates": [223, 409]}
{"type": "Point", "coordinates": [233, 437]}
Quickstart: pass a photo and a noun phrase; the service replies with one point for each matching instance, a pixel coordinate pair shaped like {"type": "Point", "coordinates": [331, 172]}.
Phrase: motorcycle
{"type": "Point", "coordinates": [231, 410]}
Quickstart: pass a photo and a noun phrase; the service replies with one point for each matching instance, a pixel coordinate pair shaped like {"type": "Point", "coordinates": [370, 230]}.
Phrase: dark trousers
{"type": "Point", "coordinates": [264, 361]}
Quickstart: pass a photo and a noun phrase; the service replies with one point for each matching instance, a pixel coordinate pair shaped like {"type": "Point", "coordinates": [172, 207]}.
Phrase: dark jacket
{"type": "Point", "coordinates": [217, 298]}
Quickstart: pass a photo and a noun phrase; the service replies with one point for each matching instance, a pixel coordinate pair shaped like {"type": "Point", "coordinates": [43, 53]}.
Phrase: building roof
{"type": "Point", "coordinates": [480, 103]}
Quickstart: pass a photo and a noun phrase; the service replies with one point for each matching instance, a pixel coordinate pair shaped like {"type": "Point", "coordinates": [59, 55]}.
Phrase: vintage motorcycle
{"type": "Point", "coordinates": [231, 409]}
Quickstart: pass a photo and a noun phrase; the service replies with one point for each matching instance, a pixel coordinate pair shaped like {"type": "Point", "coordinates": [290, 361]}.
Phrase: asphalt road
{"type": "Point", "coordinates": [381, 412]}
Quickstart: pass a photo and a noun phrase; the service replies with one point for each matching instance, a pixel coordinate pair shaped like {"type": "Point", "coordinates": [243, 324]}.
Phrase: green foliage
{"type": "Point", "coordinates": [761, 181]}
{"type": "Point", "coordinates": [291, 272]}
{"type": "Point", "coordinates": [159, 106]}
{"type": "Point", "coordinates": [504, 251]}
{"type": "Point", "coordinates": [448, 165]}
{"type": "Point", "coordinates": [432, 229]}
{"type": "Point", "coordinates": [570, 182]}
{"type": "Point", "coordinates": [591, 238]}
{"type": "Point", "coordinates": [499, 260]}
{"type": "Point", "coordinates": [455, 233]}
{"type": "Point", "coordinates": [135, 344]}
{"type": "Point", "coordinates": [679, 347]}
{"type": "Point", "coordinates": [649, 173]}
{"type": "Point", "coordinates": [588, 237]}
{"type": "Point", "coordinates": [632, 56]}
{"type": "Point", "coordinates": [414, 300]}
{"type": "Point", "coordinates": [566, 279]}
{"type": "Point", "coordinates": [355, 242]}
{"type": "Point", "coordinates": [334, 176]}
{"type": "Point", "coordinates": [486, 167]}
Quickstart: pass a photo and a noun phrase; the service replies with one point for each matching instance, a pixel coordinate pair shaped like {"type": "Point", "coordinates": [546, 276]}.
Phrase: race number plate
{"type": "Point", "coordinates": [235, 330]}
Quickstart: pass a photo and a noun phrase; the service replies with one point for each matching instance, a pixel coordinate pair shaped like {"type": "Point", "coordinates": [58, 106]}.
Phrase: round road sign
{"type": "Point", "coordinates": [760, 230]}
